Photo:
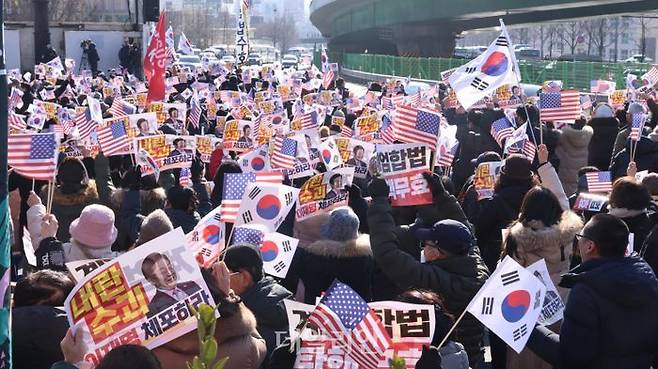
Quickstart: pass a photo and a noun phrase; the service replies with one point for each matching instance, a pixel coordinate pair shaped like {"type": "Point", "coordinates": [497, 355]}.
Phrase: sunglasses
{"type": "Point", "coordinates": [578, 236]}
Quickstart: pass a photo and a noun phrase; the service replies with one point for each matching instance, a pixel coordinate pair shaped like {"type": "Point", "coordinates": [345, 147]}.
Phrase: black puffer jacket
{"type": "Point", "coordinates": [602, 142]}
{"type": "Point", "coordinates": [456, 279]}
{"type": "Point", "coordinates": [646, 158]}
{"type": "Point", "coordinates": [497, 213]}
{"type": "Point", "coordinates": [610, 320]}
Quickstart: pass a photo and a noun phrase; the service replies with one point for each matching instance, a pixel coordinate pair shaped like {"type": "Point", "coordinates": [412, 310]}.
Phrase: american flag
{"type": "Point", "coordinates": [85, 123]}
{"type": "Point", "coordinates": [501, 129]}
{"type": "Point", "coordinates": [417, 125]}
{"type": "Point", "coordinates": [121, 108]}
{"type": "Point", "coordinates": [234, 187]}
{"type": "Point", "coordinates": [33, 155]}
{"type": "Point", "coordinates": [113, 139]}
{"type": "Point", "coordinates": [195, 112]}
{"type": "Point", "coordinates": [446, 155]}
{"type": "Point", "coordinates": [185, 178]}
{"type": "Point", "coordinates": [637, 125]}
{"type": "Point", "coordinates": [392, 102]}
{"type": "Point", "coordinates": [285, 152]}
{"type": "Point", "coordinates": [387, 130]}
{"type": "Point", "coordinates": [598, 181]}
{"type": "Point", "coordinates": [415, 99]}
{"type": "Point", "coordinates": [16, 121]}
{"type": "Point", "coordinates": [559, 106]}
{"type": "Point", "coordinates": [346, 131]}
{"type": "Point", "coordinates": [342, 313]}
{"type": "Point", "coordinates": [309, 120]}
{"type": "Point", "coordinates": [15, 97]}
{"type": "Point", "coordinates": [651, 76]}
{"type": "Point", "coordinates": [248, 235]}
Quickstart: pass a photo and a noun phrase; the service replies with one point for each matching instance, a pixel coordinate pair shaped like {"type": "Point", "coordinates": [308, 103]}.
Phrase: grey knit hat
{"type": "Point", "coordinates": [154, 225]}
{"type": "Point", "coordinates": [343, 225]}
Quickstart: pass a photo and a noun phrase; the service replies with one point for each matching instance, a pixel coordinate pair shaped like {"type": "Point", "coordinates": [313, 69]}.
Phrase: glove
{"type": "Point", "coordinates": [435, 184]}
{"type": "Point", "coordinates": [354, 191]}
{"type": "Point", "coordinates": [429, 359]}
{"type": "Point", "coordinates": [378, 188]}
{"type": "Point", "coordinates": [132, 179]}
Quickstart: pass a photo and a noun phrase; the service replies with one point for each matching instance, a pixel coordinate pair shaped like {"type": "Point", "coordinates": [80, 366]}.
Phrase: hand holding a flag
{"type": "Point", "coordinates": [542, 153]}
{"type": "Point", "coordinates": [631, 171]}
{"type": "Point", "coordinates": [222, 276]}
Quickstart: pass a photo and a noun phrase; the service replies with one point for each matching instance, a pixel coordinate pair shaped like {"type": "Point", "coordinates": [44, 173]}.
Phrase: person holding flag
{"type": "Point", "coordinates": [453, 267]}
{"type": "Point", "coordinates": [609, 319]}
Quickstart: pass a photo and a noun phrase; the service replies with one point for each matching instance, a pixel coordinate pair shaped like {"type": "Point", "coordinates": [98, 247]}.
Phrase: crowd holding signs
{"type": "Point", "coordinates": [333, 230]}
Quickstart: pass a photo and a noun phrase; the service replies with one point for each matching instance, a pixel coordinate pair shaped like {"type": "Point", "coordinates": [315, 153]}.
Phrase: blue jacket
{"type": "Point", "coordinates": [611, 317]}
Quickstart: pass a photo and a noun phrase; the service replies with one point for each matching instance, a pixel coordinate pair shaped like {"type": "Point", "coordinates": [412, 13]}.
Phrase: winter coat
{"type": "Point", "coordinates": [471, 144]}
{"type": "Point", "coordinates": [572, 150]}
{"type": "Point", "coordinates": [497, 213]}
{"type": "Point", "coordinates": [36, 332]}
{"type": "Point", "coordinates": [203, 191]}
{"type": "Point", "coordinates": [646, 158]}
{"type": "Point", "coordinates": [183, 219]}
{"type": "Point", "coordinates": [456, 279]}
{"type": "Point", "coordinates": [67, 207]}
{"type": "Point", "coordinates": [638, 221]}
{"type": "Point", "coordinates": [532, 243]}
{"type": "Point", "coordinates": [319, 263]}
{"type": "Point", "coordinates": [265, 300]}
{"type": "Point", "coordinates": [602, 142]}
{"type": "Point", "coordinates": [236, 337]}
{"type": "Point", "coordinates": [610, 319]}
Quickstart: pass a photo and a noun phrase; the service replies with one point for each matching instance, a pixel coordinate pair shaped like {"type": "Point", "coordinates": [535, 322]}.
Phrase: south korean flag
{"type": "Point", "coordinates": [277, 251]}
{"type": "Point", "coordinates": [266, 204]}
{"type": "Point", "coordinates": [509, 303]}
{"type": "Point", "coordinates": [483, 75]}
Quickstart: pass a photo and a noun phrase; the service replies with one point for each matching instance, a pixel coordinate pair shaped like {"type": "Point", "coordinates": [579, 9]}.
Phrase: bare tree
{"type": "Point", "coordinates": [280, 31]}
{"type": "Point", "coordinates": [569, 34]}
{"type": "Point", "coordinates": [600, 35]}
{"type": "Point", "coordinates": [641, 44]}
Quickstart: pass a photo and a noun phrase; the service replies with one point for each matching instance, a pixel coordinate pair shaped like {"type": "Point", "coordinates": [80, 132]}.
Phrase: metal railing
{"type": "Point", "coordinates": [576, 74]}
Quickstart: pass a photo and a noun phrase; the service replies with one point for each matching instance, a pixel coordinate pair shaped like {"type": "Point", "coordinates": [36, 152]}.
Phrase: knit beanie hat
{"type": "Point", "coordinates": [154, 225]}
{"type": "Point", "coordinates": [343, 225]}
{"type": "Point", "coordinates": [95, 227]}
{"type": "Point", "coordinates": [517, 167]}
{"type": "Point", "coordinates": [72, 175]}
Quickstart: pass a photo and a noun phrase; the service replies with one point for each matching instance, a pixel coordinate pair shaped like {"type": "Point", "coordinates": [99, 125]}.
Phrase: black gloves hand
{"type": "Point", "coordinates": [435, 184]}
{"type": "Point", "coordinates": [132, 179]}
{"type": "Point", "coordinates": [378, 188]}
{"type": "Point", "coordinates": [429, 359]}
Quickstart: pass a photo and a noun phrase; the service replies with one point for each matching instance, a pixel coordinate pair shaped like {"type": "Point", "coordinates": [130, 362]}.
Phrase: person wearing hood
{"type": "Point", "coordinates": [543, 230]}
{"type": "Point", "coordinates": [181, 210]}
{"type": "Point", "coordinates": [260, 293]}
{"type": "Point", "coordinates": [452, 266]}
{"type": "Point", "coordinates": [92, 236]}
{"type": "Point", "coordinates": [610, 319]}
{"type": "Point", "coordinates": [572, 149]}
{"type": "Point", "coordinates": [73, 192]}
{"type": "Point", "coordinates": [341, 253]}
{"type": "Point", "coordinates": [630, 202]}
{"type": "Point", "coordinates": [605, 128]}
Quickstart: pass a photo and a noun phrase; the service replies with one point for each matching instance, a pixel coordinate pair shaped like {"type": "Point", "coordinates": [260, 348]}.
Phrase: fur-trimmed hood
{"type": "Point", "coordinates": [535, 240]}
{"type": "Point", "coordinates": [242, 323]}
{"type": "Point", "coordinates": [86, 196]}
{"type": "Point", "coordinates": [349, 249]}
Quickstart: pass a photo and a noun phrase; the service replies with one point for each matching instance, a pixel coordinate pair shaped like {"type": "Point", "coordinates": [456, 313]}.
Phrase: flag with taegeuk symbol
{"type": "Point", "coordinates": [346, 317]}
{"type": "Point", "coordinates": [234, 189]}
{"type": "Point", "coordinates": [207, 239]}
{"type": "Point", "coordinates": [266, 204]}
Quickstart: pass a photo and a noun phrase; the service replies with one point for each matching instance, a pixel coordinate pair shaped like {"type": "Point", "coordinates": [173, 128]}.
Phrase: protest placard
{"type": "Point", "coordinates": [485, 178]}
{"type": "Point", "coordinates": [402, 166]}
{"type": "Point", "coordinates": [324, 192]}
{"type": "Point", "coordinates": [126, 301]}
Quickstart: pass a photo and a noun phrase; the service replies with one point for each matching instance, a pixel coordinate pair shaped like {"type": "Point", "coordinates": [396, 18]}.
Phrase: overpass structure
{"type": "Point", "coordinates": [429, 27]}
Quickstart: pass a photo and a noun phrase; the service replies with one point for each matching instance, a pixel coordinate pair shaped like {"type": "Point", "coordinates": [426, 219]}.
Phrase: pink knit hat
{"type": "Point", "coordinates": [95, 227]}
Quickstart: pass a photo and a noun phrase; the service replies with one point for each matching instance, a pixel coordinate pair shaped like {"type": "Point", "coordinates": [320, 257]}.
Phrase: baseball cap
{"type": "Point", "coordinates": [449, 235]}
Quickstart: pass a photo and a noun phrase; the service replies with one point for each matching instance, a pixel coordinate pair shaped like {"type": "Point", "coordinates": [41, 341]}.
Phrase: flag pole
{"type": "Point", "coordinates": [445, 338]}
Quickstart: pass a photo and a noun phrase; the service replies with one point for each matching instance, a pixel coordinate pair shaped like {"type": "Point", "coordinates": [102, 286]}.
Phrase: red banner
{"type": "Point", "coordinates": [154, 62]}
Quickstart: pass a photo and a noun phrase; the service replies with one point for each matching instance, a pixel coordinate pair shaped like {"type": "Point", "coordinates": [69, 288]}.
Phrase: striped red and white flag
{"type": "Point", "coordinates": [113, 139]}
{"type": "Point", "coordinates": [417, 125]}
{"type": "Point", "coordinates": [559, 106]}
{"type": "Point", "coordinates": [235, 185]}
{"type": "Point", "coordinates": [33, 155]}
{"type": "Point", "coordinates": [346, 131]}
{"type": "Point", "coordinates": [16, 121]}
{"type": "Point", "coordinates": [598, 181]}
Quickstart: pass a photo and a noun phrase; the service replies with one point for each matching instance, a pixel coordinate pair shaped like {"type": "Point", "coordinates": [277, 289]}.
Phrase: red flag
{"type": "Point", "coordinates": [154, 62]}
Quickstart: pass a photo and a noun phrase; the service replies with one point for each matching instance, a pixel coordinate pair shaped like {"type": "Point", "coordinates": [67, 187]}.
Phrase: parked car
{"type": "Point", "coordinates": [227, 59]}
{"type": "Point", "coordinates": [254, 59]}
{"type": "Point", "coordinates": [527, 53]}
{"type": "Point", "coordinates": [190, 61]}
{"type": "Point", "coordinates": [638, 58]}
{"type": "Point", "coordinates": [289, 61]}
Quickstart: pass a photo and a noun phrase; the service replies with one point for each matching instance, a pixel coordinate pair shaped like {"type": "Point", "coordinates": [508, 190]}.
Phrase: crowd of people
{"type": "Point", "coordinates": [438, 254]}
